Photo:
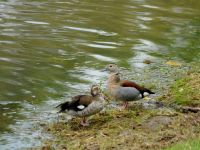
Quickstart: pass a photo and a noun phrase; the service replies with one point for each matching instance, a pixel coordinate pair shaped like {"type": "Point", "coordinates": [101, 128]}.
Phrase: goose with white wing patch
{"type": "Point", "coordinates": [84, 105]}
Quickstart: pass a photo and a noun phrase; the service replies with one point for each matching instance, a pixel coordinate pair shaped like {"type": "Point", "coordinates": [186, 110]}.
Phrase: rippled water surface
{"type": "Point", "coordinates": [50, 50]}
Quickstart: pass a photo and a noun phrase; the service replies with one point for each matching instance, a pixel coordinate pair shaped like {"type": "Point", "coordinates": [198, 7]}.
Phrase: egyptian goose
{"type": "Point", "coordinates": [84, 105]}
{"type": "Point", "coordinates": [123, 89]}
{"type": "Point", "coordinates": [112, 68]}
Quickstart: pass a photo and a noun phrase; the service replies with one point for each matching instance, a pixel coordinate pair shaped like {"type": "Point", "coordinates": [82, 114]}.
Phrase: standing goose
{"type": "Point", "coordinates": [112, 68]}
{"type": "Point", "coordinates": [123, 89]}
{"type": "Point", "coordinates": [84, 105]}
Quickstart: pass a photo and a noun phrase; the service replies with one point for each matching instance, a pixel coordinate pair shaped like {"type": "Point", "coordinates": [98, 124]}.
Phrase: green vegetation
{"type": "Point", "coordinates": [185, 91]}
{"type": "Point", "coordinates": [189, 145]}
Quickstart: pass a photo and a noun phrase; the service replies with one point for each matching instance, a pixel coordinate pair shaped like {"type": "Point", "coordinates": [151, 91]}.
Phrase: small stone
{"type": "Point", "coordinates": [146, 61]}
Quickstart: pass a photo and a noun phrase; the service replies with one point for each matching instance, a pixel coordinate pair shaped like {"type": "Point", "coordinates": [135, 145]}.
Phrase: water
{"type": "Point", "coordinates": [50, 50]}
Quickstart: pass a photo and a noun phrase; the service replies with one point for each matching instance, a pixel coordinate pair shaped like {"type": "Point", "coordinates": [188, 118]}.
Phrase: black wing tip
{"type": "Point", "coordinates": [58, 106]}
{"type": "Point", "coordinates": [151, 92]}
{"type": "Point", "coordinates": [63, 107]}
{"type": "Point", "coordinates": [148, 91]}
{"type": "Point", "coordinates": [60, 111]}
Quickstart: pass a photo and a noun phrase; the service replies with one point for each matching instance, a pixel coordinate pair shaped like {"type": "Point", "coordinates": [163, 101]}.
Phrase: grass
{"type": "Point", "coordinates": [189, 145]}
{"type": "Point", "coordinates": [185, 91]}
{"type": "Point", "coordinates": [135, 128]}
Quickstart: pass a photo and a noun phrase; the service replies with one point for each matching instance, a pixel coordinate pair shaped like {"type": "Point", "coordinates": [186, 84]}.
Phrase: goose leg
{"type": "Point", "coordinates": [84, 122]}
{"type": "Point", "coordinates": [125, 104]}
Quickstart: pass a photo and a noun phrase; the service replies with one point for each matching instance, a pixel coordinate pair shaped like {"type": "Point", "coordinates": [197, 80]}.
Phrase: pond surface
{"type": "Point", "coordinates": [51, 50]}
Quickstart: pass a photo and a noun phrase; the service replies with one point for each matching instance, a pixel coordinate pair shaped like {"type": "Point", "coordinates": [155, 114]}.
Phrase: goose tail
{"type": "Point", "coordinates": [63, 107]}
{"type": "Point", "coordinates": [148, 91]}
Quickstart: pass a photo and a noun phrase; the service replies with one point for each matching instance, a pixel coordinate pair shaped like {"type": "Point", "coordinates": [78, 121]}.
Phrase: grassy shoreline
{"type": "Point", "coordinates": [137, 127]}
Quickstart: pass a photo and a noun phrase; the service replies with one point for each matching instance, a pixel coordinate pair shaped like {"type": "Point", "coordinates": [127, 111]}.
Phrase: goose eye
{"type": "Point", "coordinates": [110, 65]}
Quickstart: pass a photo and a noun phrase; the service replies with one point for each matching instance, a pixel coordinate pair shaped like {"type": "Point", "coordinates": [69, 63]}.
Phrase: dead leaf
{"type": "Point", "coordinates": [173, 63]}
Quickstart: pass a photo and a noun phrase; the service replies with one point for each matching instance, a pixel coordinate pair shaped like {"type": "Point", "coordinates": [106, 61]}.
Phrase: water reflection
{"type": "Point", "coordinates": [100, 32]}
{"type": "Point", "coordinates": [103, 58]}
{"type": "Point", "coordinates": [50, 51]}
{"type": "Point", "coordinates": [37, 22]}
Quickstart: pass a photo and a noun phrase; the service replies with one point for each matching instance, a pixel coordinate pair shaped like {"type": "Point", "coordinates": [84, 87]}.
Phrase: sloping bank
{"type": "Point", "coordinates": [157, 122]}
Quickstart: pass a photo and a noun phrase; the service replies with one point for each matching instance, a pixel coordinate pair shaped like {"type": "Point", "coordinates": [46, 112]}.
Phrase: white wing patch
{"type": "Point", "coordinates": [80, 107]}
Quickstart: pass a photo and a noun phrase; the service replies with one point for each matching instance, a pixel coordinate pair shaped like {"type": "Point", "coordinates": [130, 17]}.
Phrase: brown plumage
{"type": "Point", "coordinates": [126, 83]}
{"type": "Point", "coordinates": [78, 100]}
